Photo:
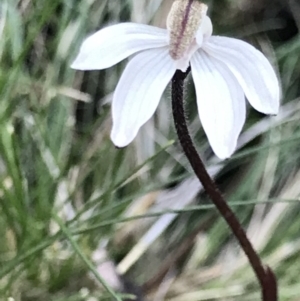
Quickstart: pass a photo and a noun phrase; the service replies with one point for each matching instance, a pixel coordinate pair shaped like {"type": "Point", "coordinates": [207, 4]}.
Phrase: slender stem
{"type": "Point", "coordinates": [264, 275]}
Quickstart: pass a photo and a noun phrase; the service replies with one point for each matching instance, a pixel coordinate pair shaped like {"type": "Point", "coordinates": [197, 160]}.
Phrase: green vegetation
{"type": "Point", "coordinates": [69, 197]}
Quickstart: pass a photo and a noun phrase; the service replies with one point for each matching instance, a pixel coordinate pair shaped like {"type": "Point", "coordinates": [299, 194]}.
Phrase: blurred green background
{"type": "Point", "coordinates": [81, 220]}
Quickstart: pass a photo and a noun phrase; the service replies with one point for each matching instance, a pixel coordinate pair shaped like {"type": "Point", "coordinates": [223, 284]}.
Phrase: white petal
{"type": "Point", "coordinates": [138, 92]}
{"type": "Point", "coordinates": [205, 31]}
{"type": "Point", "coordinates": [252, 70]}
{"type": "Point", "coordinates": [221, 103]}
{"type": "Point", "coordinates": [112, 44]}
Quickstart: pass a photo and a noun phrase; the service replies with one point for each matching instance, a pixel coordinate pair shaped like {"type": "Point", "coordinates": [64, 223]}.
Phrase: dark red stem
{"type": "Point", "coordinates": [263, 273]}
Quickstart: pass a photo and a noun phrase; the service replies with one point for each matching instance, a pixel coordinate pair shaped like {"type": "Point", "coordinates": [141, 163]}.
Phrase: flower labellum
{"type": "Point", "coordinates": [224, 71]}
{"type": "Point", "coordinates": [183, 22]}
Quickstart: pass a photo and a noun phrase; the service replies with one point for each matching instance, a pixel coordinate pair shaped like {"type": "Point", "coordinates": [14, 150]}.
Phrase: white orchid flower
{"type": "Point", "coordinates": [224, 70]}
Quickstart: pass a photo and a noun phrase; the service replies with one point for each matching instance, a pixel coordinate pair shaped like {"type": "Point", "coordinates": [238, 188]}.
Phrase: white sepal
{"type": "Point", "coordinates": [112, 44]}
{"type": "Point", "coordinates": [252, 70]}
{"type": "Point", "coordinates": [138, 93]}
{"type": "Point", "coordinates": [221, 103]}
